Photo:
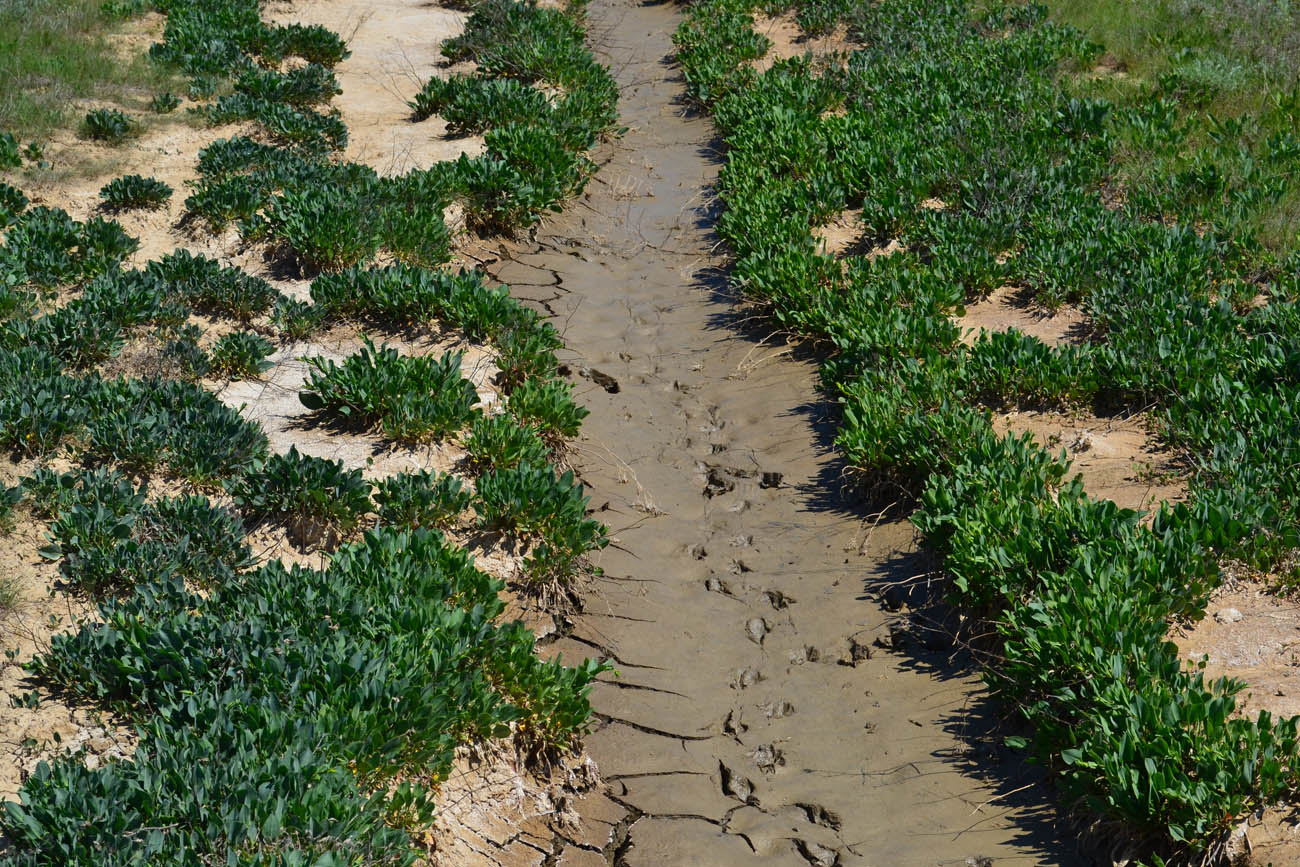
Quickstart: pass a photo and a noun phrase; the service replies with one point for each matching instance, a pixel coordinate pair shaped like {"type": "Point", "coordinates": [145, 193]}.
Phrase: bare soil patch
{"type": "Point", "coordinates": [1120, 459]}
{"type": "Point", "coordinates": [789, 41]}
{"type": "Point", "coordinates": [1006, 308]}
{"type": "Point", "coordinates": [396, 47]}
{"type": "Point", "coordinates": [1249, 633]}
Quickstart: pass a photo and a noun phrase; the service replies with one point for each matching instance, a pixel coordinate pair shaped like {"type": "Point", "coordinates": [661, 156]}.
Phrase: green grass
{"type": "Point", "coordinates": [1220, 58]}
{"type": "Point", "coordinates": [55, 51]}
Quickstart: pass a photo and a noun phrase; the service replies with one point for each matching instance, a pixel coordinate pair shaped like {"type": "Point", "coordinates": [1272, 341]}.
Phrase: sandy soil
{"type": "Point", "coordinates": [1005, 308]}
{"type": "Point", "coordinates": [788, 40]}
{"type": "Point", "coordinates": [1252, 634]}
{"type": "Point", "coordinates": [396, 47]}
{"type": "Point", "coordinates": [1119, 458]}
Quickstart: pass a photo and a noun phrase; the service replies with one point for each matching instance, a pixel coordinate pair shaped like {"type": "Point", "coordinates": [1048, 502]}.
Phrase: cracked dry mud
{"type": "Point", "coordinates": [776, 701]}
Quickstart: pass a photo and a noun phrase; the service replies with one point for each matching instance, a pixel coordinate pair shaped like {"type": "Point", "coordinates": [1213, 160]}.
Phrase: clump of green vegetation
{"type": "Point", "coordinates": [10, 156]}
{"type": "Point", "coordinates": [212, 287]}
{"type": "Point", "coordinates": [325, 228]}
{"type": "Point", "coordinates": [12, 204]}
{"type": "Point", "coordinates": [10, 497]}
{"type": "Point", "coordinates": [318, 498]}
{"type": "Point", "coordinates": [164, 103]}
{"type": "Point", "coordinates": [420, 500]}
{"type": "Point", "coordinates": [134, 191]}
{"type": "Point", "coordinates": [297, 319]}
{"type": "Point", "coordinates": [501, 442]}
{"type": "Point", "coordinates": [107, 125]}
{"type": "Point", "coordinates": [410, 398]}
{"type": "Point", "coordinates": [548, 407]}
{"type": "Point", "coordinates": [529, 500]}
{"type": "Point", "coordinates": [240, 355]}
{"type": "Point", "coordinates": [108, 539]}
{"type": "Point", "coordinates": [260, 662]}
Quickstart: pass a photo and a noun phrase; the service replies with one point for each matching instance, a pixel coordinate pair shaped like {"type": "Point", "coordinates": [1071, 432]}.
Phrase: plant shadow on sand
{"type": "Point", "coordinates": [926, 638]}
{"type": "Point", "coordinates": [922, 636]}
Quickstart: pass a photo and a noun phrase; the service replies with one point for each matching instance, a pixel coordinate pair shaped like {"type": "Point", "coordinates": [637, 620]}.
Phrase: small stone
{"type": "Point", "coordinates": [1228, 615]}
{"type": "Point", "coordinates": [756, 629]}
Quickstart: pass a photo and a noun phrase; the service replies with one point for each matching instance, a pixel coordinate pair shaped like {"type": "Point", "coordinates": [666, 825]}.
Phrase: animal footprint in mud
{"type": "Point", "coordinates": [817, 854]}
{"type": "Point", "coordinates": [736, 786]}
{"type": "Point", "coordinates": [745, 678]}
{"type": "Point", "coordinates": [819, 815]}
{"type": "Point", "coordinates": [778, 599]}
{"type": "Point", "coordinates": [732, 726]}
{"type": "Point", "coordinates": [604, 380]}
{"type": "Point", "coordinates": [858, 652]}
{"type": "Point", "coordinates": [756, 629]}
{"type": "Point", "coordinates": [716, 483]}
{"type": "Point", "coordinates": [807, 653]}
{"type": "Point", "coordinates": [777, 709]}
{"type": "Point", "coordinates": [770, 480]}
{"type": "Point", "coordinates": [768, 758]}
{"type": "Point", "coordinates": [717, 585]}
{"type": "Point", "coordinates": [894, 639]}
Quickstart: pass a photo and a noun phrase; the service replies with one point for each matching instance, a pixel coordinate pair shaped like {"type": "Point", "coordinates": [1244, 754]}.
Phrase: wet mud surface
{"type": "Point", "coordinates": [779, 697]}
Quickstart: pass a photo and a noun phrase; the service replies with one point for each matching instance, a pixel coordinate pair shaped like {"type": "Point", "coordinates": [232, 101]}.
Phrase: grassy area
{"type": "Point", "coordinates": [1231, 47]}
{"type": "Point", "coordinates": [1217, 60]}
{"type": "Point", "coordinates": [55, 51]}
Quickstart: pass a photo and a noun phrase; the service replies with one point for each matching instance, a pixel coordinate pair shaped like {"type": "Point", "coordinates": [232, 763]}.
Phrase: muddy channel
{"type": "Point", "coordinates": [769, 706]}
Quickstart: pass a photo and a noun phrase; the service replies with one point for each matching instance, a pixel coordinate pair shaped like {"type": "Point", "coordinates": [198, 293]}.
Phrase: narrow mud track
{"type": "Point", "coordinates": [766, 708]}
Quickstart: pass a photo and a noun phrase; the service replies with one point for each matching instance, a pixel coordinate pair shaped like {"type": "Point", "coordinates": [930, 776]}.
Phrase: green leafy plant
{"type": "Point", "coordinates": [548, 406]}
{"type": "Point", "coordinates": [408, 397]}
{"type": "Point", "coordinates": [107, 125]}
{"type": "Point", "coordinates": [550, 510]}
{"type": "Point", "coordinates": [420, 499]}
{"type": "Point", "coordinates": [164, 103]}
{"type": "Point", "coordinates": [500, 442]}
{"type": "Point", "coordinates": [183, 350]}
{"type": "Point", "coordinates": [134, 191]}
{"type": "Point", "coordinates": [241, 355]}
{"type": "Point", "coordinates": [318, 499]}
{"type": "Point", "coordinates": [301, 87]}
{"type": "Point", "coordinates": [10, 158]}
{"type": "Point", "coordinates": [325, 228]}
{"type": "Point", "coordinates": [12, 203]}
{"type": "Point", "coordinates": [527, 352]}
{"type": "Point", "coordinates": [10, 497]}
{"type": "Point", "coordinates": [212, 287]}
{"type": "Point", "coordinates": [297, 319]}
